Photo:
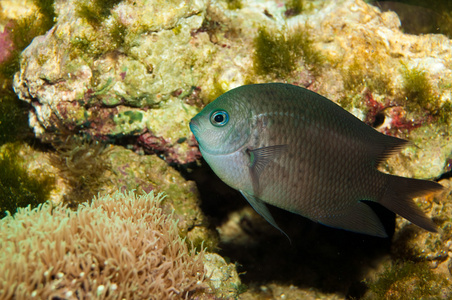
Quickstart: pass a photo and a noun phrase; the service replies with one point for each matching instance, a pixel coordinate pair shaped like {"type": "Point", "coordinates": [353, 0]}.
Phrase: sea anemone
{"type": "Point", "coordinates": [119, 246]}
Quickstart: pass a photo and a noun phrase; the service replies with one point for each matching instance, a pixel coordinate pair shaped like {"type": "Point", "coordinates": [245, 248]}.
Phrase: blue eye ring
{"type": "Point", "coordinates": [219, 118]}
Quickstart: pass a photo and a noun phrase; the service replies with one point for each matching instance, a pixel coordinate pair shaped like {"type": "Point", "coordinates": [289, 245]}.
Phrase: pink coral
{"type": "Point", "coordinates": [6, 44]}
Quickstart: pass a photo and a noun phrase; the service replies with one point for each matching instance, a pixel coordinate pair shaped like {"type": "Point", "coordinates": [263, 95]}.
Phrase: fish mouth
{"type": "Point", "coordinates": [194, 125]}
{"type": "Point", "coordinates": [196, 128]}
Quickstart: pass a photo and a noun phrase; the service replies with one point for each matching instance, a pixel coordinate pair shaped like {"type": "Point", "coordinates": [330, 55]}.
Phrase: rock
{"type": "Point", "coordinates": [15, 9]}
{"type": "Point", "coordinates": [117, 77]}
{"type": "Point", "coordinates": [225, 281]}
{"type": "Point", "coordinates": [278, 291]}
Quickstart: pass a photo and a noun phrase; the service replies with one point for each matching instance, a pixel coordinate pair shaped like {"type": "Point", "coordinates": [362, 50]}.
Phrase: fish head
{"type": "Point", "coordinates": [223, 126]}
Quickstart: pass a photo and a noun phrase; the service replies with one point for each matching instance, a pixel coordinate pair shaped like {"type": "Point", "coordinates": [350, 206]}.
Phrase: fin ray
{"type": "Point", "coordinates": [358, 218]}
{"type": "Point", "coordinates": [260, 207]}
{"type": "Point", "coordinates": [259, 159]}
{"type": "Point", "coordinates": [385, 146]}
{"type": "Point", "coordinates": [398, 198]}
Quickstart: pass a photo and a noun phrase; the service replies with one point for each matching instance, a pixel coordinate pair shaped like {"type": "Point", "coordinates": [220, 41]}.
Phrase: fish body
{"type": "Point", "coordinates": [292, 148]}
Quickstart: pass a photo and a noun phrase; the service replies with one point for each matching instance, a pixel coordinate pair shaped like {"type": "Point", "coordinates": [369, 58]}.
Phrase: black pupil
{"type": "Point", "coordinates": [219, 118]}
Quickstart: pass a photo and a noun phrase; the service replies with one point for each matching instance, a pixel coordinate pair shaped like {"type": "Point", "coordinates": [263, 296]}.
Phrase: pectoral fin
{"type": "Point", "coordinates": [259, 159]}
{"type": "Point", "coordinates": [260, 207]}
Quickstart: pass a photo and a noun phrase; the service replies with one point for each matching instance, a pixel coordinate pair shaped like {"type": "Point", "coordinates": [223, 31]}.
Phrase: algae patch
{"type": "Point", "coordinates": [408, 280]}
{"type": "Point", "coordinates": [13, 117]}
{"type": "Point", "coordinates": [96, 11]}
{"type": "Point", "coordinates": [420, 96]}
{"type": "Point", "coordinates": [19, 188]}
{"type": "Point", "coordinates": [277, 52]}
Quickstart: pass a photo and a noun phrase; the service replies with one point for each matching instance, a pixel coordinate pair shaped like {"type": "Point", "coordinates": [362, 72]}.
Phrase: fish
{"type": "Point", "coordinates": [289, 147]}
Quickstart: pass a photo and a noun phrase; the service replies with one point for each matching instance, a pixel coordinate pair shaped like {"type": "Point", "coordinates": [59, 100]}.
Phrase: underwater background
{"type": "Point", "coordinates": [96, 97]}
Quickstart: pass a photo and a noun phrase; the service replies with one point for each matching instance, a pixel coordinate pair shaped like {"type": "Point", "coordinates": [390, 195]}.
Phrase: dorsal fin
{"type": "Point", "coordinates": [385, 146]}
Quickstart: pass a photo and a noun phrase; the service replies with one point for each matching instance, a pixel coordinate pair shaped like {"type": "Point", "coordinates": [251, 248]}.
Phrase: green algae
{"type": "Point", "coordinates": [408, 280]}
{"type": "Point", "coordinates": [47, 10]}
{"type": "Point", "coordinates": [417, 88]}
{"type": "Point", "coordinates": [134, 116]}
{"type": "Point", "coordinates": [95, 12]}
{"type": "Point", "coordinates": [93, 44]}
{"type": "Point", "coordinates": [277, 52]}
{"type": "Point", "coordinates": [107, 36]}
{"type": "Point", "coordinates": [105, 88]}
{"type": "Point", "coordinates": [421, 96]}
{"type": "Point", "coordinates": [117, 33]}
{"type": "Point", "coordinates": [98, 37]}
{"type": "Point", "coordinates": [13, 116]}
{"type": "Point", "coordinates": [234, 4]}
{"type": "Point", "coordinates": [273, 54]}
{"type": "Point", "coordinates": [294, 7]}
{"type": "Point", "coordinates": [365, 71]}
{"type": "Point", "coordinates": [19, 188]}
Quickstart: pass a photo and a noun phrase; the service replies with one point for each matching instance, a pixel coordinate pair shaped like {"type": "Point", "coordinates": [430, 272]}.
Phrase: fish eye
{"type": "Point", "coordinates": [219, 118]}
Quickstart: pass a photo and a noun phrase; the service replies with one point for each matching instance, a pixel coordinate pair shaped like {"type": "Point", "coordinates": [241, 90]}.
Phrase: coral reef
{"type": "Point", "coordinates": [119, 246]}
{"type": "Point", "coordinates": [20, 29]}
{"type": "Point", "coordinates": [79, 170]}
{"type": "Point", "coordinates": [132, 73]}
{"type": "Point", "coordinates": [110, 78]}
{"type": "Point", "coordinates": [125, 74]}
{"type": "Point", "coordinates": [429, 17]}
{"type": "Point", "coordinates": [144, 173]}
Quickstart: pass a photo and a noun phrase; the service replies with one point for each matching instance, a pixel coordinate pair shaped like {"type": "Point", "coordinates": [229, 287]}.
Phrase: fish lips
{"type": "Point", "coordinates": [194, 126]}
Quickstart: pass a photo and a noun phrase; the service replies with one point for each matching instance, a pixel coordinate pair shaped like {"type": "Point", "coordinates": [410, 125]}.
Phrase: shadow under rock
{"type": "Point", "coordinates": [327, 259]}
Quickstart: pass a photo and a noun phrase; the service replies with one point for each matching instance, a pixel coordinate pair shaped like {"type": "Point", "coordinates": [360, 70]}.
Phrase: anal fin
{"type": "Point", "coordinates": [358, 218]}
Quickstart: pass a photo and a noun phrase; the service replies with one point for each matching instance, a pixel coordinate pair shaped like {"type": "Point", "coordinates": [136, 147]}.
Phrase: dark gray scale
{"type": "Point", "coordinates": [318, 160]}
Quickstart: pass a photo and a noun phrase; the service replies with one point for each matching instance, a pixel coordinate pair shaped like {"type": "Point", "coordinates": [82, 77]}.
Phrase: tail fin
{"type": "Point", "coordinates": [398, 198]}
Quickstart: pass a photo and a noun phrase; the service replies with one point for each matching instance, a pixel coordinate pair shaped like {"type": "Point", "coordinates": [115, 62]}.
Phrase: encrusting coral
{"type": "Point", "coordinates": [120, 246]}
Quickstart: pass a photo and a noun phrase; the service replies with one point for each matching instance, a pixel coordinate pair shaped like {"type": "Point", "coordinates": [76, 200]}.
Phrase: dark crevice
{"type": "Point", "coordinates": [446, 175]}
{"type": "Point", "coordinates": [378, 120]}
